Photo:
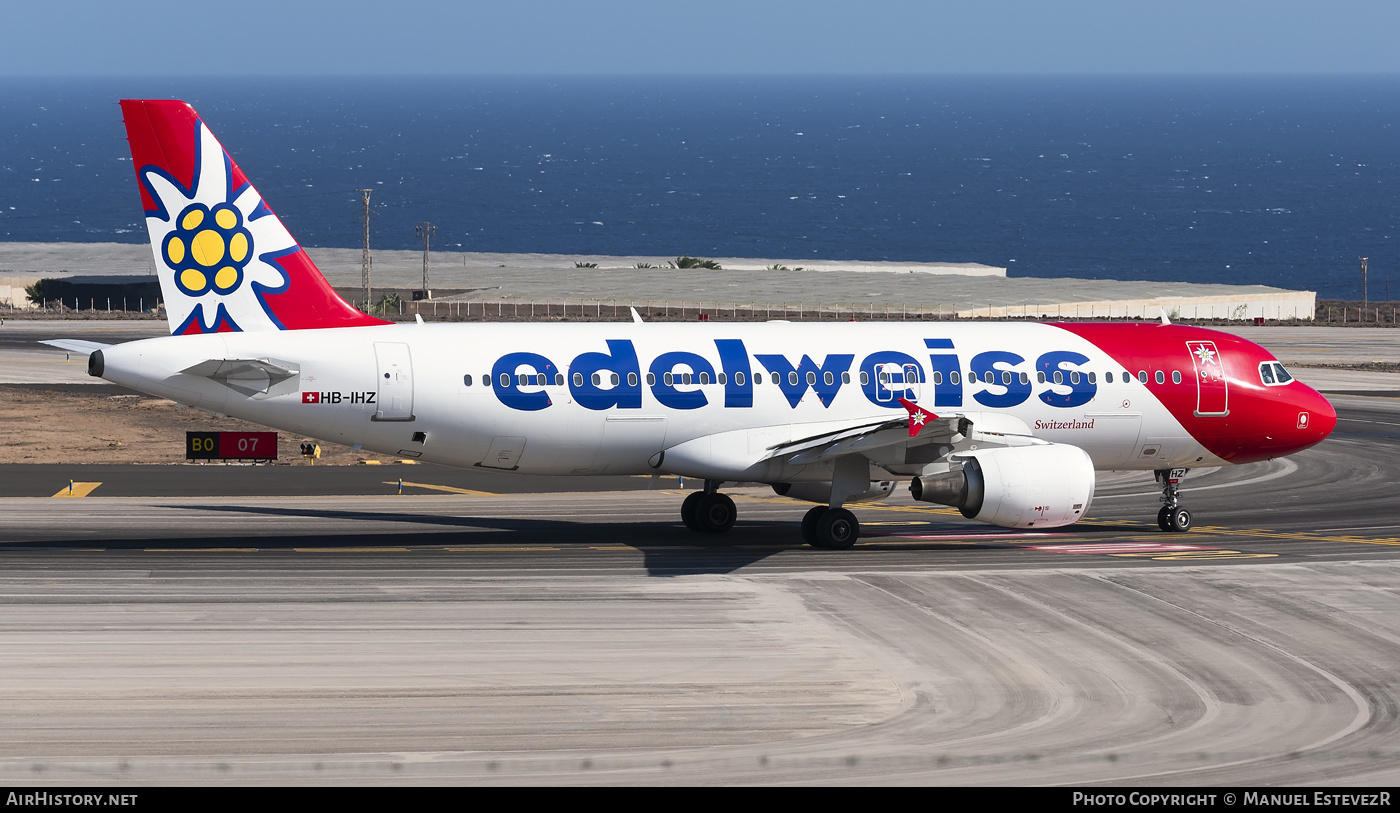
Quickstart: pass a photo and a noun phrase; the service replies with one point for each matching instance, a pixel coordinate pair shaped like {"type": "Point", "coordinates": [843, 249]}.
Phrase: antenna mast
{"type": "Point", "coordinates": [425, 231]}
{"type": "Point", "coordinates": [364, 196]}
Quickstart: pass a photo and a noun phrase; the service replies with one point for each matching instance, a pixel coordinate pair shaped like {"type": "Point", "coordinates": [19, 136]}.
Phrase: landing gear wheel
{"type": "Point", "coordinates": [688, 510]}
{"type": "Point", "coordinates": [838, 529]}
{"type": "Point", "coordinates": [1164, 518]}
{"type": "Point", "coordinates": [715, 513]}
{"type": "Point", "coordinates": [1179, 520]}
{"type": "Point", "coordinates": [809, 525]}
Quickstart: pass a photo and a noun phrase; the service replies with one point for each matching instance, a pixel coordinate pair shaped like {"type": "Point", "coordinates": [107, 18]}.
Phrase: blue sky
{"type": "Point", "coordinates": [272, 37]}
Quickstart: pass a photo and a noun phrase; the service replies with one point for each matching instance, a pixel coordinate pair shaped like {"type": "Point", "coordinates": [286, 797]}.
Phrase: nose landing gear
{"type": "Point", "coordinates": [1174, 517]}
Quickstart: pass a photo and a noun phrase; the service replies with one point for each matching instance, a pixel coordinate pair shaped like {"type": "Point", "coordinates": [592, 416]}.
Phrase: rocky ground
{"type": "Point", "coordinates": [42, 425]}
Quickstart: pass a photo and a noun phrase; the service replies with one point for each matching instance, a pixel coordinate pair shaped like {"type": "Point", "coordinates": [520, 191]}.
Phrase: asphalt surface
{"type": "Point", "coordinates": [492, 637]}
{"type": "Point", "coordinates": [309, 624]}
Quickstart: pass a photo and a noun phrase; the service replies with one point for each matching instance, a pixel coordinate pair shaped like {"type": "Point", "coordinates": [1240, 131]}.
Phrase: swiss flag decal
{"type": "Point", "coordinates": [311, 397]}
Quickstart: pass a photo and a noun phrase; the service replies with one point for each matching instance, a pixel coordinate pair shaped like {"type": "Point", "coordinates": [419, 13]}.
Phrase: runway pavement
{"type": "Point", "coordinates": [579, 637]}
{"type": "Point", "coordinates": [293, 624]}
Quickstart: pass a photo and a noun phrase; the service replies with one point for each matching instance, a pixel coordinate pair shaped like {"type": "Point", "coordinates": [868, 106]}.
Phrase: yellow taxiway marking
{"type": "Point", "coordinates": [449, 489]}
{"type": "Point", "coordinates": [1195, 555]}
{"type": "Point", "coordinates": [351, 550]}
{"type": "Point", "coordinates": [78, 490]}
{"type": "Point", "coordinates": [201, 550]}
{"type": "Point", "coordinates": [496, 550]}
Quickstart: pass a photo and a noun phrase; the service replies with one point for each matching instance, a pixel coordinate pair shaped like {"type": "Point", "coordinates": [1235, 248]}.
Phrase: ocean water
{"type": "Point", "coordinates": [1279, 181]}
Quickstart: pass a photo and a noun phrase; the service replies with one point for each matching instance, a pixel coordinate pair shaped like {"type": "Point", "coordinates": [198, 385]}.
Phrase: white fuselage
{"type": "Point", "coordinates": [402, 389]}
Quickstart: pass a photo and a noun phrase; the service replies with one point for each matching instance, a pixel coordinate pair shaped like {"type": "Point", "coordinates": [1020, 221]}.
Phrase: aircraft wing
{"type": "Point", "coordinates": [75, 345]}
{"type": "Point", "coordinates": [918, 428]}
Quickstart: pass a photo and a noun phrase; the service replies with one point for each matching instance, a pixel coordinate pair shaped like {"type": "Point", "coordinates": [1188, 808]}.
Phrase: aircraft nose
{"type": "Point", "coordinates": [1316, 416]}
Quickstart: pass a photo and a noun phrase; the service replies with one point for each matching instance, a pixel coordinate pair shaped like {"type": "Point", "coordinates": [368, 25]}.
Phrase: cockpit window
{"type": "Point", "coordinates": [1273, 374]}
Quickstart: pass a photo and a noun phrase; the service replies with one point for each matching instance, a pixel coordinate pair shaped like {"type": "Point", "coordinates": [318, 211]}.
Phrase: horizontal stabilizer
{"type": "Point", "coordinates": [75, 345]}
{"type": "Point", "coordinates": [248, 376]}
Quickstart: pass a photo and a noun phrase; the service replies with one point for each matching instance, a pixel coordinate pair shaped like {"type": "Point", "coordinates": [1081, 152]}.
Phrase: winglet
{"type": "Point", "coordinates": [918, 416]}
{"type": "Point", "coordinates": [1165, 320]}
{"type": "Point", "coordinates": [636, 317]}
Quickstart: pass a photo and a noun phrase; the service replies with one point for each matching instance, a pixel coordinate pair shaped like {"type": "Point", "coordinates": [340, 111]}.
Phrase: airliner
{"type": "Point", "coordinates": [1007, 423]}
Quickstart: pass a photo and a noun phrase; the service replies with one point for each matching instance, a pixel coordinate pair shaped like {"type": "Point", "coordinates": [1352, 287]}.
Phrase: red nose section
{"type": "Point", "coordinates": [1316, 415]}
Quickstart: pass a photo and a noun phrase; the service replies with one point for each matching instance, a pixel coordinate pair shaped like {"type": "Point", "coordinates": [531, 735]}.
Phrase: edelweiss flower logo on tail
{"type": "Point", "coordinates": [215, 247]}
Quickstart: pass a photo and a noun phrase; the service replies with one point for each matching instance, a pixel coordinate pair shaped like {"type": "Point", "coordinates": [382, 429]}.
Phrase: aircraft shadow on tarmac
{"type": "Point", "coordinates": [667, 549]}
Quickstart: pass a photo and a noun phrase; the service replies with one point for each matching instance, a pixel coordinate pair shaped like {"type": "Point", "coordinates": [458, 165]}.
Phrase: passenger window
{"type": "Point", "coordinates": [775, 378]}
{"type": "Point", "coordinates": [811, 377]}
{"type": "Point", "coordinates": [1059, 377]}
{"type": "Point", "coordinates": [685, 378]}
{"type": "Point", "coordinates": [578, 379]}
{"type": "Point", "coordinates": [988, 378]}
{"type": "Point", "coordinates": [558, 379]}
{"type": "Point", "coordinates": [1161, 377]}
{"type": "Point", "coordinates": [651, 379]}
{"type": "Point", "coordinates": [792, 377]}
{"type": "Point", "coordinates": [1283, 376]}
{"type": "Point", "coordinates": [1025, 379]}
{"type": "Point", "coordinates": [631, 379]}
{"type": "Point", "coordinates": [828, 378]}
{"type": "Point", "coordinates": [1092, 378]}
{"type": "Point", "coordinates": [1142, 376]}
{"type": "Point", "coordinates": [739, 379]}
{"type": "Point", "coordinates": [467, 380]}
{"type": "Point", "coordinates": [723, 379]}
{"type": "Point", "coordinates": [505, 379]}
{"type": "Point", "coordinates": [937, 377]}
{"type": "Point", "coordinates": [615, 380]}
{"type": "Point", "coordinates": [1176, 376]}
{"type": "Point", "coordinates": [597, 379]}
{"type": "Point", "coordinates": [541, 379]}
{"type": "Point", "coordinates": [845, 378]}
{"type": "Point", "coordinates": [669, 379]}
{"type": "Point", "coordinates": [954, 377]}
{"type": "Point", "coordinates": [1006, 377]}
{"type": "Point", "coordinates": [1074, 377]}
{"type": "Point", "coordinates": [1108, 377]}
{"type": "Point", "coordinates": [884, 378]}
{"type": "Point", "coordinates": [1040, 376]}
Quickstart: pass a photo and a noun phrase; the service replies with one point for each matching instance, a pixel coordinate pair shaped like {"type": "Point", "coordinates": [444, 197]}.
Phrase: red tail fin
{"type": "Point", "coordinates": [226, 263]}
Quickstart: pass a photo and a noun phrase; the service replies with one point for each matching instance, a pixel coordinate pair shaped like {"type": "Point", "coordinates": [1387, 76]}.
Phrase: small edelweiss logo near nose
{"type": "Point", "coordinates": [208, 249]}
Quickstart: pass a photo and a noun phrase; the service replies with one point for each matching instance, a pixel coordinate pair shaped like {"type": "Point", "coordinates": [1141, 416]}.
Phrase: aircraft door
{"type": "Point", "coordinates": [395, 399]}
{"type": "Point", "coordinates": [1212, 387]}
{"type": "Point", "coordinates": [893, 381]}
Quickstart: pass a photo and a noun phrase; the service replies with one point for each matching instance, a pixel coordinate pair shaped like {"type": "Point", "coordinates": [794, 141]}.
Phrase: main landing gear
{"type": "Point", "coordinates": [709, 510]}
{"type": "Point", "coordinates": [830, 528]}
{"type": "Point", "coordinates": [1174, 517]}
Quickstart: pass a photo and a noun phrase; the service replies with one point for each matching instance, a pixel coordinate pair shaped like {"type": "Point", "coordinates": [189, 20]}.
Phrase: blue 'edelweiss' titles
{"type": "Point", "coordinates": [681, 379]}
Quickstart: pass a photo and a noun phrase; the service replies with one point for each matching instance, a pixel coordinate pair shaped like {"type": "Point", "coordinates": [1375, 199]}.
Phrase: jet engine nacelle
{"type": "Point", "coordinates": [821, 492]}
{"type": "Point", "coordinates": [1018, 487]}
